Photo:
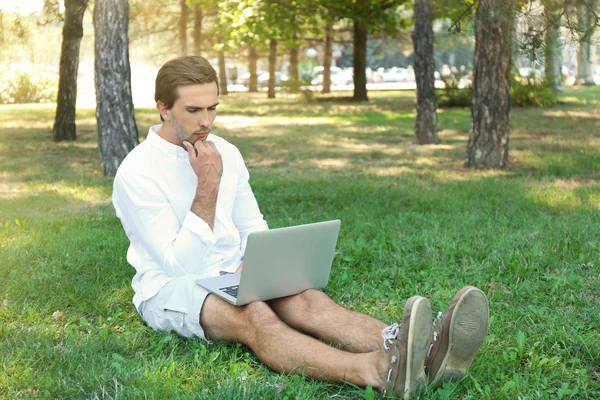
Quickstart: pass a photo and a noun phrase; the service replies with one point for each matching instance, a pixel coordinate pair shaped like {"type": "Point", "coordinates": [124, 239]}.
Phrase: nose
{"type": "Point", "coordinates": [204, 120]}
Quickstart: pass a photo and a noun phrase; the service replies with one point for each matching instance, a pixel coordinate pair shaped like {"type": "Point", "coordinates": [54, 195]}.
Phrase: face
{"type": "Point", "coordinates": [192, 116]}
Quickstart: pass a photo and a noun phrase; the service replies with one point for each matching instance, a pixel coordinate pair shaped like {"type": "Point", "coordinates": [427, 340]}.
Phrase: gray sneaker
{"type": "Point", "coordinates": [457, 335]}
{"type": "Point", "coordinates": [405, 346]}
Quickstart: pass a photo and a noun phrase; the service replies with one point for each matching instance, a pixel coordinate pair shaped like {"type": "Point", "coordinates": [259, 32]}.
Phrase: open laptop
{"type": "Point", "coordinates": [280, 262]}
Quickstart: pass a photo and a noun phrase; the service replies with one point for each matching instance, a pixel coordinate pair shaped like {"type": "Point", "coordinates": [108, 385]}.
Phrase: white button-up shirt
{"type": "Point", "coordinates": [152, 194]}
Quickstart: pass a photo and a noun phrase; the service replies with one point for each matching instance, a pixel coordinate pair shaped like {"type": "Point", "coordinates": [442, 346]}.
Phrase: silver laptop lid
{"type": "Point", "coordinates": [285, 261]}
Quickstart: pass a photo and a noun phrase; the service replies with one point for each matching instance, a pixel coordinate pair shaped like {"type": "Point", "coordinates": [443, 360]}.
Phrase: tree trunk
{"type": "Point", "coordinates": [64, 120]}
{"type": "Point", "coordinates": [198, 17]}
{"type": "Point", "coordinates": [222, 75]}
{"type": "Point", "coordinates": [426, 121]}
{"type": "Point", "coordinates": [117, 132]}
{"type": "Point", "coordinates": [586, 23]}
{"type": "Point", "coordinates": [183, 21]}
{"type": "Point", "coordinates": [294, 75]}
{"type": "Point", "coordinates": [553, 46]}
{"type": "Point", "coordinates": [327, 59]}
{"type": "Point", "coordinates": [490, 107]}
{"type": "Point", "coordinates": [272, 65]}
{"type": "Point", "coordinates": [252, 61]}
{"type": "Point", "coordinates": [360, 62]}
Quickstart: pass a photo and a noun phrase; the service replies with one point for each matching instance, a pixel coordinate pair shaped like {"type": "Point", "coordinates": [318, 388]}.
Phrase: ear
{"type": "Point", "coordinates": [163, 110]}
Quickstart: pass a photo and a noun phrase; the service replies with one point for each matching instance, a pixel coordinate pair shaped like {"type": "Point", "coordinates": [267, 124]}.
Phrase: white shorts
{"type": "Point", "coordinates": [176, 307]}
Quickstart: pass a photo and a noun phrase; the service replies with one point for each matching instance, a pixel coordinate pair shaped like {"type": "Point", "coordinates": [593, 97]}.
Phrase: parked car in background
{"type": "Point", "coordinates": [395, 74]}
{"type": "Point", "coordinates": [263, 79]}
{"type": "Point", "coordinates": [337, 75]}
{"type": "Point", "coordinates": [244, 79]}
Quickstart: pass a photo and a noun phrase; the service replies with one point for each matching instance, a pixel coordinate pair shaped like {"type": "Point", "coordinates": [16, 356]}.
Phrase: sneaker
{"type": "Point", "coordinates": [405, 346]}
{"type": "Point", "coordinates": [457, 335]}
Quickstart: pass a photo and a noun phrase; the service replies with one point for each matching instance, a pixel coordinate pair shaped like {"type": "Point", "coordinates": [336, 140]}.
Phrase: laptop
{"type": "Point", "coordinates": [280, 262]}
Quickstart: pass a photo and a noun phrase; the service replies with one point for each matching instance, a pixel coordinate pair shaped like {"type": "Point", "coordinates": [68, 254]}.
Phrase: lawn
{"type": "Point", "coordinates": [414, 221]}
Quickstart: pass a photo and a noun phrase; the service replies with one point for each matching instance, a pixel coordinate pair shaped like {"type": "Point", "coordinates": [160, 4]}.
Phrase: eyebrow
{"type": "Point", "coordinates": [199, 108]}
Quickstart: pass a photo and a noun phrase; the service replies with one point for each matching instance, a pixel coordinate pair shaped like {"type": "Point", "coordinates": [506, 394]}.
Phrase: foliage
{"type": "Point", "coordinates": [454, 94]}
{"type": "Point", "coordinates": [414, 221]}
{"type": "Point", "coordinates": [531, 91]}
{"type": "Point", "coordinates": [22, 86]}
{"type": "Point", "coordinates": [376, 16]}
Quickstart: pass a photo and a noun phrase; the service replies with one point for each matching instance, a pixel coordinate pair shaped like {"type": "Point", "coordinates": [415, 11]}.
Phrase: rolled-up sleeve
{"type": "Point", "coordinates": [150, 221]}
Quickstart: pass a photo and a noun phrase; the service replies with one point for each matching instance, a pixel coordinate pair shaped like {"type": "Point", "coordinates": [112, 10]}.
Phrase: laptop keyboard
{"type": "Point", "coordinates": [231, 290]}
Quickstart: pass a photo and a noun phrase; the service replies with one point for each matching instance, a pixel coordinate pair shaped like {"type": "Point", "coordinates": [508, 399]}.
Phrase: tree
{"type": "Point", "coordinates": [222, 74]}
{"type": "Point", "coordinates": [117, 131]}
{"type": "Point", "coordinates": [294, 73]}
{"type": "Point", "coordinates": [198, 18]}
{"type": "Point", "coordinates": [64, 120]}
{"type": "Point", "coordinates": [272, 64]}
{"type": "Point", "coordinates": [490, 108]}
{"type": "Point", "coordinates": [183, 22]}
{"type": "Point", "coordinates": [327, 58]}
{"type": "Point", "coordinates": [586, 20]}
{"type": "Point", "coordinates": [367, 16]}
{"type": "Point", "coordinates": [252, 61]}
{"type": "Point", "coordinates": [359, 63]}
{"type": "Point", "coordinates": [553, 45]}
{"type": "Point", "coordinates": [426, 121]}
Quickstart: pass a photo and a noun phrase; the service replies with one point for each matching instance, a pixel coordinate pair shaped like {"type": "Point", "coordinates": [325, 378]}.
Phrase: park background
{"type": "Point", "coordinates": [415, 218]}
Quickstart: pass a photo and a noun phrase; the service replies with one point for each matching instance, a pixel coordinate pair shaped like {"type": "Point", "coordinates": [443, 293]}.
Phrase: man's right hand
{"type": "Point", "coordinates": [206, 161]}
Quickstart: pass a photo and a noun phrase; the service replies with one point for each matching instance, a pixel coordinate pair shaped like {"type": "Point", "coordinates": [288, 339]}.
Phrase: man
{"type": "Point", "coordinates": [186, 206]}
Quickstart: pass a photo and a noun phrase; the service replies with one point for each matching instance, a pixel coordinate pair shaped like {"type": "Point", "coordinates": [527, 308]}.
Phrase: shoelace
{"type": "Point", "coordinates": [435, 333]}
{"type": "Point", "coordinates": [389, 334]}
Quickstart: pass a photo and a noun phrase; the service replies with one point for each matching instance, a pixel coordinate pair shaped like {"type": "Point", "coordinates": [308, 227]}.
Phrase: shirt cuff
{"type": "Point", "coordinates": [199, 226]}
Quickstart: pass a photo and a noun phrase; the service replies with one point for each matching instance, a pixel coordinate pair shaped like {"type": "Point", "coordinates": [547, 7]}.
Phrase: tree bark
{"type": "Point", "coordinates": [183, 21]}
{"type": "Point", "coordinates": [553, 46]}
{"type": "Point", "coordinates": [360, 62]}
{"type": "Point", "coordinates": [294, 75]}
{"type": "Point", "coordinates": [272, 66]}
{"type": "Point", "coordinates": [198, 18]}
{"type": "Point", "coordinates": [117, 131]}
{"type": "Point", "coordinates": [64, 120]}
{"type": "Point", "coordinates": [222, 75]}
{"type": "Point", "coordinates": [586, 24]}
{"type": "Point", "coordinates": [426, 121]}
{"type": "Point", "coordinates": [490, 107]}
{"type": "Point", "coordinates": [252, 61]}
{"type": "Point", "coordinates": [327, 59]}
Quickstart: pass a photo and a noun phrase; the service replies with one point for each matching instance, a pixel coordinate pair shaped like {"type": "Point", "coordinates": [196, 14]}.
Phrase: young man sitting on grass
{"type": "Point", "coordinates": [186, 206]}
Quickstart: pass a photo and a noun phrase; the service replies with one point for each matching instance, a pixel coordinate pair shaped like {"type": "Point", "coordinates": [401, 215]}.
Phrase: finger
{"type": "Point", "coordinates": [212, 145]}
{"type": "Point", "coordinates": [201, 148]}
{"type": "Point", "coordinates": [190, 148]}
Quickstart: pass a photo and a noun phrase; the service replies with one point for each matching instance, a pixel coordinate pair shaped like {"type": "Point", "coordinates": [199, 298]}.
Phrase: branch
{"type": "Point", "coordinates": [456, 23]}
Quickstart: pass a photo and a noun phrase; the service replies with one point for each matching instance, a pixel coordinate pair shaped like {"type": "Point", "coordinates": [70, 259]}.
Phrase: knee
{"type": "Point", "coordinates": [258, 314]}
{"type": "Point", "coordinates": [313, 299]}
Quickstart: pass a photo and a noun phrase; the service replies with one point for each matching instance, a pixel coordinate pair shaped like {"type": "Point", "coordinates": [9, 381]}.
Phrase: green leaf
{"type": "Point", "coordinates": [369, 394]}
{"type": "Point", "coordinates": [508, 386]}
{"type": "Point", "coordinates": [521, 340]}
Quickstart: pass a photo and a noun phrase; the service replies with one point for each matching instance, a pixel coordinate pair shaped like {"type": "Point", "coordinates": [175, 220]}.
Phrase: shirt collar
{"type": "Point", "coordinates": [168, 148]}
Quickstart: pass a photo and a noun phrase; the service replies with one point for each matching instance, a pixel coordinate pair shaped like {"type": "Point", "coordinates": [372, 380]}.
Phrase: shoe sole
{"type": "Point", "coordinates": [468, 327]}
{"type": "Point", "coordinates": [418, 319]}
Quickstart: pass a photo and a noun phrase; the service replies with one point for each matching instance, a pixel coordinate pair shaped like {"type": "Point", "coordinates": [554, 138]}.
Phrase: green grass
{"type": "Point", "coordinates": [414, 221]}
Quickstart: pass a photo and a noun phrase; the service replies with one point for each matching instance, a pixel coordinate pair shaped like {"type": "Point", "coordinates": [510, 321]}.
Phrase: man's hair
{"type": "Point", "coordinates": [182, 71]}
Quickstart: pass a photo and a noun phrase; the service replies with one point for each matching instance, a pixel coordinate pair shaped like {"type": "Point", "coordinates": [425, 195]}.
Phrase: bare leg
{"type": "Point", "coordinates": [315, 314]}
{"type": "Point", "coordinates": [284, 349]}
